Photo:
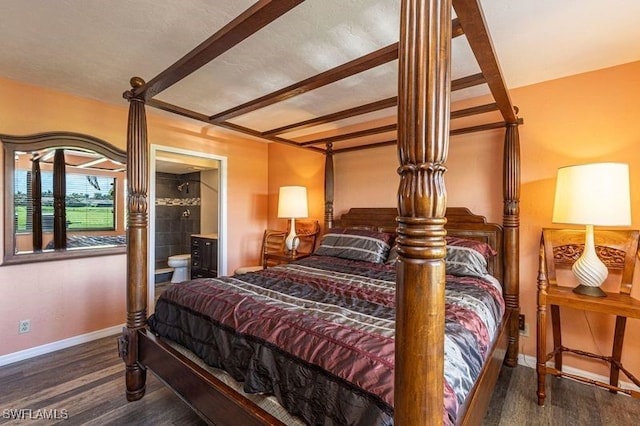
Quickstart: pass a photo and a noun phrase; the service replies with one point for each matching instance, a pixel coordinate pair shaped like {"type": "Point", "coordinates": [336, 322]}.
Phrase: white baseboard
{"type": "Point", "coordinates": [530, 361]}
{"type": "Point", "coordinates": [60, 344]}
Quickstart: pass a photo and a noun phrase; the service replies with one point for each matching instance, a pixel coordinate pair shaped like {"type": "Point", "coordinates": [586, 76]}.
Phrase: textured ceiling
{"type": "Point", "coordinates": [92, 47]}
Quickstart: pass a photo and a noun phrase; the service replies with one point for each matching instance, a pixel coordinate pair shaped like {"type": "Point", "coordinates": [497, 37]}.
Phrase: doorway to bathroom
{"type": "Point", "coordinates": [187, 197]}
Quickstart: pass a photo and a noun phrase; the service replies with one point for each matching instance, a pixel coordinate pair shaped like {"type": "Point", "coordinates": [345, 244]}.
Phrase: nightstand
{"type": "Point", "coordinates": [204, 256]}
{"type": "Point", "coordinates": [559, 249]}
{"type": "Point", "coordinates": [280, 257]}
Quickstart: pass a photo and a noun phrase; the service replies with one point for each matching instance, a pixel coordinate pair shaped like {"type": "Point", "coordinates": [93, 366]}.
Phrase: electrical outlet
{"type": "Point", "coordinates": [523, 326]}
{"type": "Point", "coordinates": [24, 326]}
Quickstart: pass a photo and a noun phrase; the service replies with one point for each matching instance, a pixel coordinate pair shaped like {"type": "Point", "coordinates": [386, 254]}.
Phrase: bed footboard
{"type": "Point", "coordinates": [212, 399]}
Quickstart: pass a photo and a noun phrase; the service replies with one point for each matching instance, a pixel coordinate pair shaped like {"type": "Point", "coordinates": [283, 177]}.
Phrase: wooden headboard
{"type": "Point", "coordinates": [460, 223]}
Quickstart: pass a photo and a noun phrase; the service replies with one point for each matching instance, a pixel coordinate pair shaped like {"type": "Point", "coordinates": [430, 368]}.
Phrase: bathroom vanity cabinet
{"type": "Point", "coordinates": [204, 255]}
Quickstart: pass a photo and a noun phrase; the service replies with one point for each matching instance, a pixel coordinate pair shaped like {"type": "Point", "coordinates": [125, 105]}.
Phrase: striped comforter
{"type": "Point", "coordinates": [319, 335]}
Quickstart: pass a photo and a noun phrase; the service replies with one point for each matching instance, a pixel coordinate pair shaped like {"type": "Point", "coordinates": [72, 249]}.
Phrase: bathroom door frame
{"type": "Point", "coordinates": [222, 212]}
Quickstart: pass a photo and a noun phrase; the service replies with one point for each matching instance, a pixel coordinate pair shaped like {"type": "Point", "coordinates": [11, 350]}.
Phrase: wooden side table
{"type": "Point", "coordinates": [280, 257]}
{"type": "Point", "coordinates": [559, 249]}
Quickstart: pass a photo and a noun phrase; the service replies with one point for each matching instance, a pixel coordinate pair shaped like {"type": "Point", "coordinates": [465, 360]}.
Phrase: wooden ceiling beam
{"type": "Point", "coordinates": [205, 118]}
{"type": "Point", "coordinates": [266, 11]}
{"type": "Point", "coordinates": [347, 136]}
{"type": "Point", "coordinates": [362, 109]}
{"type": "Point", "coordinates": [336, 116]}
{"type": "Point", "coordinates": [363, 63]}
{"type": "Point", "coordinates": [249, 22]}
{"type": "Point", "coordinates": [251, 132]}
{"type": "Point", "coordinates": [456, 28]}
{"type": "Point", "coordinates": [156, 103]}
{"type": "Point", "coordinates": [481, 109]}
{"type": "Point", "coordinates": [464, 130]}
{"type": "Point", "coordinates": [475, 29]}
{"type": "Point", "coordinates": [353, 135]}
{"type": "Point", "coordinates": [367, 146]}
{"type": "Point", "coordinates": [372, 60]}
{"type": "Point", "coordinates": [482, 127]}
{"type": "Point", "coordinates": [461, 83]}
{"type": "Point", "coordinates": [468, 81]}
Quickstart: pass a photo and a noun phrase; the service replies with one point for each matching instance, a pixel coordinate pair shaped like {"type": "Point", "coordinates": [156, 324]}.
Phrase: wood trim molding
{"type": "Point", "coordinates": [475, 29]}
{"type": "Point", "coordinates": [372, 60]}
{"type": "Point", "coordinates": [249, 22]}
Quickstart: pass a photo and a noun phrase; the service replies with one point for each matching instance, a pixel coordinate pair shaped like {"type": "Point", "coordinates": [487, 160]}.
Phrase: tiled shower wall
{"type": "Point", "coordinates": [177, 215]}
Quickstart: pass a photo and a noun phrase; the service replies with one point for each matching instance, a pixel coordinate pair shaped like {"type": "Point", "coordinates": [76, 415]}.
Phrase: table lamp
{"type": "Point", "coordinates": [593, 195]}
{"type": "Point", "coordinates": [292, 204]}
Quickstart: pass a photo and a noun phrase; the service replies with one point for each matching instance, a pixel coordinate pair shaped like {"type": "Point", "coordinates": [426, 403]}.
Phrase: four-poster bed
{"type": "Point", "coordinates": [420, 220]}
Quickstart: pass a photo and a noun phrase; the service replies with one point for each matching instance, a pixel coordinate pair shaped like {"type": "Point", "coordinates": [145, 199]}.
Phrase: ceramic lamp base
{"type": "Point", "coordinates": [292, 241]}
{"type": "Point", "coordinates": [589, 269]}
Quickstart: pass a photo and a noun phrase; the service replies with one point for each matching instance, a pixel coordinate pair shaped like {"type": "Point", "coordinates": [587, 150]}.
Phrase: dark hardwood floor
{"type": "Point", "coordinates": [568, 402]}
{"type": "Point", "coordinates": [85, 385]}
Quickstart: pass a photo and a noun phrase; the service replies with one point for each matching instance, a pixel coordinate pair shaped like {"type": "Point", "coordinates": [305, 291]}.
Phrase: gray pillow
{"type": "Point", "coordinates": [464, 261]}
{"type": "Point", "coordinates": [356, 244]}
{"type": "Point", "coordinates": [460, 260]}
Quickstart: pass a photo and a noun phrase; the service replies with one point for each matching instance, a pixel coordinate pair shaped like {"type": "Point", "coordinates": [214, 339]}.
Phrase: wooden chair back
{"type": "Point", "coordinates": [272, 242]}
{"type": "Point", "coordinates": [618, 250]}
{"type": "Point", "coordinates": [307, 232]}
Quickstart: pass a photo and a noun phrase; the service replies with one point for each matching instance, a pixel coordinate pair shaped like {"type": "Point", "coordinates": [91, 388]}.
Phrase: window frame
{"type": "Point", "coordinates": [11, 145]}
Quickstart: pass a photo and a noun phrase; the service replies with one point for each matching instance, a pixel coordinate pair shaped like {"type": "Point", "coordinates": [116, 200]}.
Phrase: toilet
{"type": "Point", "coordinates": [181, 264]}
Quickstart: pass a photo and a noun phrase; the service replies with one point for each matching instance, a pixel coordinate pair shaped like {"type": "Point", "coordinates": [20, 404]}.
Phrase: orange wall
{"type": "Point", "coordinates": [585, 118]}
{"type": "Point", "coordinates": [295, 166]}
{"type": "Point", "coordinates": [579, 119]}
{"type": "Point", "coordinates": [69, 298]}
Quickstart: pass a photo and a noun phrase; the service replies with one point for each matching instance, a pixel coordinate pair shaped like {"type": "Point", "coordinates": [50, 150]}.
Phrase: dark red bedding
{"type": "Point", "coordinates": [319, 334]}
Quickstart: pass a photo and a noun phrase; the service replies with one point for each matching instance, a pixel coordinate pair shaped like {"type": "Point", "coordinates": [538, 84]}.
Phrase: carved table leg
{"type": "Point", "coordinates": [541, 352]}
{"type": "Point", "coordinates": [557, 336]}
{"type": "Point", "coordinates": [541, 328]}
{"type": "Point", "coordinates": [616, 353]}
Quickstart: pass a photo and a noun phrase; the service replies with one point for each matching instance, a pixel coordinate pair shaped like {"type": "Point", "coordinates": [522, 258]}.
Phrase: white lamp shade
{"type": "Point", "coordinates": [593, 194]}
{"type": "Point", "coordinates": [292, 202]}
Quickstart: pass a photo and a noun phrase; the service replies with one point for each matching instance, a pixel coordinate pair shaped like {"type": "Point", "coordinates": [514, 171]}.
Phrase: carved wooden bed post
{"type": "Point", "coordinates": [137, 178]}
{"type": "Point", "coordinates": [328, 188]}
{"type": "Point", "coordinates": [423, 135]}
{"type": "Point", "coordinates": [511, 225]}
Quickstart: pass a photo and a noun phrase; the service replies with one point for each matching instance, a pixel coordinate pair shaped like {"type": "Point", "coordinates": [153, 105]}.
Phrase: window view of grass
{"type": "Point", "coordinates": [78, 218]}
{"type": "Point", "coordinates": [89, 202]}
